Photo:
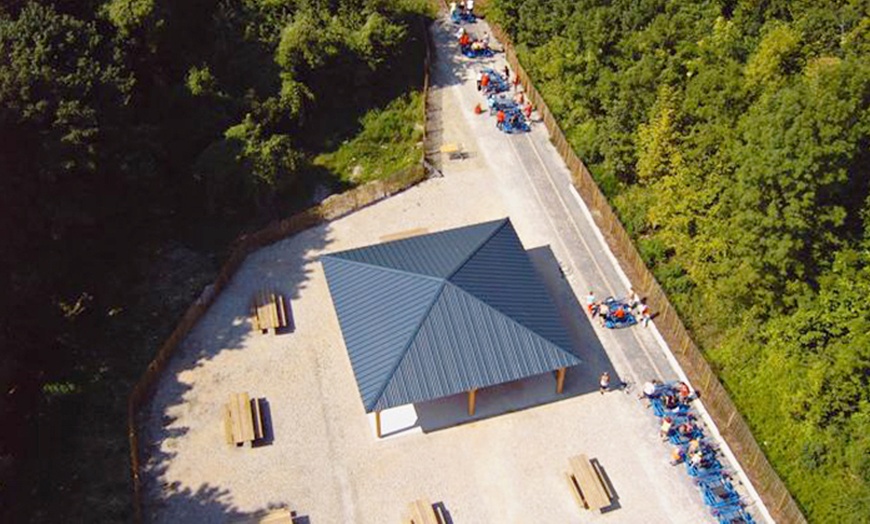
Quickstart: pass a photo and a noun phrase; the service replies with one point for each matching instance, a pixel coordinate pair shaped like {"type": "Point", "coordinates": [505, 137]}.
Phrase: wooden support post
{"type": "Point", "coordinates": [378, 423]}
{"type": "Point", "coordinates": [560, 379]}
{"type": "Point", "coordinates": [472, 396]}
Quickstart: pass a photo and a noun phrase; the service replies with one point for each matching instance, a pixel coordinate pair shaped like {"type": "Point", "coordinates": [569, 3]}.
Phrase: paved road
{"type": "Point", "coordinates": [530, 163]}
{"type": "Point", "coordinates": [533, 176]}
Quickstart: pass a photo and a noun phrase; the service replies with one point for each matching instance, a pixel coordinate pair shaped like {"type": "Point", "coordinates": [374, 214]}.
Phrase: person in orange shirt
{"type": "Point", "coordinates": [499, 119]}
{"type": "Point", "coordinates": [484, 82]}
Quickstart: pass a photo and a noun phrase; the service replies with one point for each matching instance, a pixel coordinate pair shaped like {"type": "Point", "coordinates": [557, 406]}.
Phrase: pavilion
{"type": "Point", "coordinates": [443, 313]}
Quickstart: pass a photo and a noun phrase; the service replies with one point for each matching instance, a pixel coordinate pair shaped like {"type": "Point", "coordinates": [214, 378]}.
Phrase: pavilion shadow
{"type": "Point", "coordinates": [493, 401]}
{"type": "Point", "coordinates": [540, 389]}
{"type": "Point", "coordinates": [574, 317]}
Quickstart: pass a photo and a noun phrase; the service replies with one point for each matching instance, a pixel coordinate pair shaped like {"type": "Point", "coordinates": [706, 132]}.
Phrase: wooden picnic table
{"type": "Point", "coordinates": [243, 420]}
{"type": "Point", "coordinates": [269, 312]}
{"type": "Point", "coordinates": [421, 512]}
{"type": "Point", "coordinates": [588, 484]}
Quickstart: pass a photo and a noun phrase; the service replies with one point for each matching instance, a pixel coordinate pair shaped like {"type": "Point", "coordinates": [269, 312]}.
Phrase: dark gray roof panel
{"type": "Point", "coordinates": [501, 274]}
{"type": "Point", "coordinates": [464, 344]}
{"type": "Point", "coordinates": [434, 254]}
{"type": "Point", "coordinates": [442, 313]}
{"type": "Point", "coordinates": [379, 311]}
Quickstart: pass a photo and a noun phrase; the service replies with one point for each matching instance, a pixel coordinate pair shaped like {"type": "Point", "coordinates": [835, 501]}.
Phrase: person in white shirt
{"type": "Point", "coordinates": [633, 299]}
{"type": "Point", "coordinates": [604, 382]}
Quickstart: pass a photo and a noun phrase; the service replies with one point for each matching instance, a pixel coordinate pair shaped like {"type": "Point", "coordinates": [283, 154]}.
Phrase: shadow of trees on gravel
{"type": "Point", "coordinates": [284, 267]}
{"type": "Point", "coordinates": [206, 504]}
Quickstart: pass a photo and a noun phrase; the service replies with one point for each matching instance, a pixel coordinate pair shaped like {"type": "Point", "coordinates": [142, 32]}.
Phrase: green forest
{"type": "Point", "coordinates": [138, 138]}
{"type": "Point", "coordinates": [732, 137]}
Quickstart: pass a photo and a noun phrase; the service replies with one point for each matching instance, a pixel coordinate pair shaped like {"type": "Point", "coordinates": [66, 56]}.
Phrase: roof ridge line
{"type": "Point", "coordinates": [515, 322]}
{"type": "Point", "coordinates": [378, 266]}
{"type": "Point", "coordinates": [504, 222]}
{"type": "Point", "coordinates": [413, 336]}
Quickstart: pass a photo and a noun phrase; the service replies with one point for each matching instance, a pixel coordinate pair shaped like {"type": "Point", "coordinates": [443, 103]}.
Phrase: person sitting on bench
{"type": "Point", "coordinates": [490, 101]}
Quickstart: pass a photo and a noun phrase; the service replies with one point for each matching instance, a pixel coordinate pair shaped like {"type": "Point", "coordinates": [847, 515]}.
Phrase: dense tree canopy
{"type": "Point", "coordinates": [132, 126]}
{"type": "Point", "coordinates": [732, 137]}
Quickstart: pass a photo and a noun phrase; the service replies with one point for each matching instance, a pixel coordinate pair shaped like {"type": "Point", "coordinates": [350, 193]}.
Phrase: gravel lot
{"type": "Point", "coordinates": [322, 459]}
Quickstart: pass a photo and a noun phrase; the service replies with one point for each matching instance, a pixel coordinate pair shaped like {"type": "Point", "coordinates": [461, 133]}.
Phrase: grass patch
{"type": "Point", "coordinates": [389, 140]}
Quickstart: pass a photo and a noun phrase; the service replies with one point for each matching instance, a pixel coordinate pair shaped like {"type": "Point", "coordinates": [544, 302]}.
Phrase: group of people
{"type": "Point", "coordinates": [507, 118]}
{"type": "Point", "coordinates": [684, 427]}
{"type": "Point", "coordinates": [464, 7]}
{"type": "Point", "coordinates": [633, 304]}
{"type": "Point", "coordinates": [466, 42]}
{"type": "Point", "coordinates": [497, 104]}
{"type": "Point", "coordinates": [486, 83]}
{"type": "Point", "coordinates": [681, 428]}
{"type": "Point", "coordinates": [671, 396]}
{"type": "Point", "coordinates": [695, 454]}
{"type": "Point", "coordinates": [678, 423]}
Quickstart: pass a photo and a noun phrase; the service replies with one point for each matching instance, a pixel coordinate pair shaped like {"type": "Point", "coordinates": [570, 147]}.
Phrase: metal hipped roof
{"type": "Point", "coordinates": [435, 254]}
{"type": "Point", "coordinates": [442, 313]}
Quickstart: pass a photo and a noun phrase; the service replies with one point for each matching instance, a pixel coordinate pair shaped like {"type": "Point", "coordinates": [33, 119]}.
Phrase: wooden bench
{"type": "Point", "coordinates": [421, 512]}
{"type": "Point", "coordinates": [278, 516]}
{"type": "Point", "coordinates": [587, 483]}
{"type": "Point", "coordinates": [243, 420]}
{"type": "Point", "coordinates": [269, 312]}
